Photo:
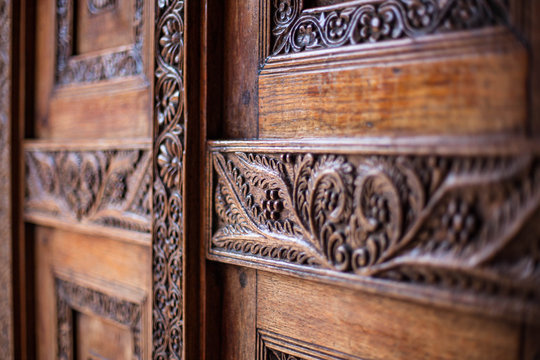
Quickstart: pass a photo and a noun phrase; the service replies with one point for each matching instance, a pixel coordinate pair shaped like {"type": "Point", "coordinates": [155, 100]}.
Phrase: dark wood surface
{"type": "Point", "coordinates": [320, 202]}
{"type": "Point", "coordinates": [6, 258]}
{"type": "Point", "coordinates": [274, 179]}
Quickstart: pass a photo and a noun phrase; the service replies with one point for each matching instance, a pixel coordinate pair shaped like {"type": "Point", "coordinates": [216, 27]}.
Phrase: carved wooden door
{"type": "Point", "coordinates": [372, 179]}
{"type": "Point", "coordinates": [88, 170]}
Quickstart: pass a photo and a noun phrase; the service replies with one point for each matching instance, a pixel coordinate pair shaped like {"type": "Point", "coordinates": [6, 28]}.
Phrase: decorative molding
{"type": "Point", "coordinates": [463, 222]}
{"type": "Point", "coordinates": [84, 69]}
{"type": "Point", "coordinates": [168, 168]}
{"type": "Point", "coordinates": [71, 296]}
{"type": "Point", "coordinates": [109, 188]}
{"type": "Point", "coordinates": [99, 6]}
{"type": "Point", "coordinates": [273, 346]}
{"type": "Point", "coordinates": [6, 306]}
{"type": "Point", "coordinates": [295, 29]}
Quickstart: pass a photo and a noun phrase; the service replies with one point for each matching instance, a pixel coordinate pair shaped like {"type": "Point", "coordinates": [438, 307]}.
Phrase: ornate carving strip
{"type": "Point", "coordinates": [110, 188]}
{"type": "Point", "coordinates": [463, 222]}
{"type": "Point", "coordinates": [71, 296]}
{"type": "Point", "coordinates": [6, 321]}
{"type": "Point", "coordinates": [168, 167]}
{"type": "Point", "coordinates": [295, 29]}
{"type": "Point", "coordinates": [83, 69]}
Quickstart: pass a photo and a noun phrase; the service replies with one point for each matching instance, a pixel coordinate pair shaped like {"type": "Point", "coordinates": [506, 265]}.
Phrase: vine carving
{"type": "Point", "coordinates": [295, 29]}
{"type": "Point", "coordinates": [109, 188]}
{"type": "Point", "coordinates": [71, 296]}
{"type": "Point", "coordinates": [446, 221]}
{"type": "Point", "coordinates": [168, 168]}
{"type": "Point", "coordinates": [84, 69]}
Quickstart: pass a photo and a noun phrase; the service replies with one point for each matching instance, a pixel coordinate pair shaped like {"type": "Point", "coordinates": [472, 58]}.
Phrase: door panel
{"type": "Point", "coordinates": [383, 198]}
{"type": "Point", "coordinates": [88, 195]}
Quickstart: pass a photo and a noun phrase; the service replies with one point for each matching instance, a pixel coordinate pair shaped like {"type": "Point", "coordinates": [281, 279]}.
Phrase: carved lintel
{"type": "Point", "coordinates": [463, 222]}
{"type": "Point", "coordinates": [296, 29]}
{"type": "Point", "coordinates": [85, 69]}
{"type": "Point", "coordinates": [167, 178]}
{"type": "Point", "coordinates": [71, 296]}
{"type": "Point", "coordinates": [110, 188]}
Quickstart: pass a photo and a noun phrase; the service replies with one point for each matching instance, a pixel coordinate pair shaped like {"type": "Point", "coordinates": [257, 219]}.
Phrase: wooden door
{"type": "Point", "coordinates": [372, 179]}
{"type": "Point", "coordinates": [88, 170]}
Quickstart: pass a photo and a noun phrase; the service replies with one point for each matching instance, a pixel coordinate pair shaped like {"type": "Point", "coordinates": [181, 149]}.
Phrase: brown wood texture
{"type": "Point", "coordinates": [238, 313]}
{"type": "Point", "coordinates": [240, 69]}
{"type": "Point", "coordinates": [374, 327]}
{"type": "Point", "coordinates": [393, 233]}
{"type": "Point", "coordinates": [103, 24]}
{"type": "Point", "coordinates": [73, 257]}
{"type": "Point", "coordinates": [6, 240]}
{"type": "Point", "coordinates": [89, 164]}
{"type": "Point", "coordinates": [456, 85]}
{"type": "Point", "coordinates": [91, 95]}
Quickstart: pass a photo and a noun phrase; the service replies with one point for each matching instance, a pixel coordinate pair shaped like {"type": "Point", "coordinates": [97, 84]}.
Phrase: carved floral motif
{"type": "Point", "coordinates": [296, 29]}
{"type": "Point", "coordinates": [71, 296]}
{"type": "Point", "coordinates": [83, 69]}
{"type": "Point", "coordinates": [438, 220]}
{"type": "Point", "coordinates": [168, 168]}
{"type": "Point", "coordinates": [110, 187]}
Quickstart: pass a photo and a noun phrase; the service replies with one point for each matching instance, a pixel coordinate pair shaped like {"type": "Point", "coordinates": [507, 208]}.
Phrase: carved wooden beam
{"type": "Point", "coordinates": [461, 218]}
{"type": "Point", "coordinates": [95, 188]}
{"type": "Point", "coordinates": [168, 167]}
{"type": "Point", "coordinates": [296, 29]}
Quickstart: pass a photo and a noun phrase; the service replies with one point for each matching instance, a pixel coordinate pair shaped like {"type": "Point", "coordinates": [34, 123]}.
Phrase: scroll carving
{"type": "Point", "coordinates": [168, 168]}
{"type": "Point", "coordinates": [453, 222]}
{"type": "Point", "coordinates": [108, 188]}
{"type": "Point", "coordinates": [295, 29]}
{"type": "Point", "coordinates": [6, 307]}
{"type": "Point", "coordinates": [71, 296]}
{"type": "Point", "coordinates": [84, 69]}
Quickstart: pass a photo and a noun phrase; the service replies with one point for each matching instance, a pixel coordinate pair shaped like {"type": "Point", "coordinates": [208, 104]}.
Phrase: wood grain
{"type": "Point", "coordinates": [437, 86]}
{"type": "Point", "coordinates": [238, 312]}
{"type": "Point", "coordinates": [240, 69]}
{"type": "Point", "coordinates": [6, 275]}
{"type": "Point", "coordinates": [74, 256]}
{"type": "Point", "coordinates": [374, 327]}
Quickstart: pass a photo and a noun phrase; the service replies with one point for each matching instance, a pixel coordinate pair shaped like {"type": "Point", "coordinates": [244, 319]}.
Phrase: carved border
{"type": "Point", "coordinates": [168, 228]}
{"type": "Point", "coordinates": [454, 221]}
{"type": "Point", "coordinates": [100, 188]}
{"type": "Point", "coordinates": [6, 321]}
{"type": "Point", "coordinates": [273, 346]}
{"type": "Point", "coordinates": [84, 69]}
{"type": "Point", "coordinates": [71, 296]}
{"type": "Point", "coordinates": [295, 29]}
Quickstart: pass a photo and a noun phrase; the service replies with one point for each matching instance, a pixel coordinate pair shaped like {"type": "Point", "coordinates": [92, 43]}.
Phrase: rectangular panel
{"type": "Point", "coordinates": [450, 85]}
{"type": "Point", "coordinates": [100, 277]}
{"type": "Point", "coordinates": [359, 325]}
{"type": "Point", "coordinates": [87, 85]}
{"type": "Point", "coordinates": [351, 68]}
{"type": "Point", "coordinates": [99, 189]}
